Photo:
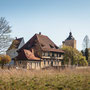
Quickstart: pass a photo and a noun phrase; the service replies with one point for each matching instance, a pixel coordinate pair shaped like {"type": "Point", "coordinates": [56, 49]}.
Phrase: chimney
{"type": "Point", "coordinates": [39, 33]}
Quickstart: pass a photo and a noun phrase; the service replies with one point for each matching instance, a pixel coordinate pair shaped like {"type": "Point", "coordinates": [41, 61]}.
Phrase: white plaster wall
{"type": "Point", "coordinates": [12, 53]}
{"type": "Point", "coordinates": [21, 44]}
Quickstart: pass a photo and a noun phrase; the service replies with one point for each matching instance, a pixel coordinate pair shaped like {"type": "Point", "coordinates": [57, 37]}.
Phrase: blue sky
{"type": "Point", "coordinates": [53, 18]}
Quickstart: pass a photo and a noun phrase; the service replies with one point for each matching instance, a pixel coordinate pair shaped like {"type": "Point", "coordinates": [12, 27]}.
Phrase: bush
{"type": "Point", "coordinates": [83, 61]}
{"type": "Point", "coordinates": [4, 59]}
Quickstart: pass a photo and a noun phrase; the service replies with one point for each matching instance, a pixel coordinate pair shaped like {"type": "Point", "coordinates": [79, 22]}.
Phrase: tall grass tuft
{"type": "Point", "coordinates": [52, 79]}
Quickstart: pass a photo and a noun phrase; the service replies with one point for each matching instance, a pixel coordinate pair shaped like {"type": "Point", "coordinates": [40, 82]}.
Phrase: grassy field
{"type": "Point", "coordinates": [75, 79]}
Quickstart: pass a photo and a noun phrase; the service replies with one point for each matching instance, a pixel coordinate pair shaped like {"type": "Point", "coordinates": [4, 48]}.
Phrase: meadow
{"type": "Point", "coordinates": [52, 79]}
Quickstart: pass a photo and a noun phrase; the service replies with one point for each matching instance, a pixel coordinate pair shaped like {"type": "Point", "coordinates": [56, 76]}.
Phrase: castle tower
{"type": "Point", "coordinates": [70, 41]}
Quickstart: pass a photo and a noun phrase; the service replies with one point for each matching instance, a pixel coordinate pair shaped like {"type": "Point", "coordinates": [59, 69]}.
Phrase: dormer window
{"type": "Point", "coordinates": [33, 45]}
{"type": "Point", "coordinates": [51, 46]}
{"type": "Point", "coordinates": [28, 46]}
{"type": "Point", "coordinates": [56, 47]}
{"type": "Point", "coordinates": [42, 45]}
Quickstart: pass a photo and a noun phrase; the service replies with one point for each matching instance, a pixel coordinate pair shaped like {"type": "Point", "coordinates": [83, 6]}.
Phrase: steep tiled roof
{"type": "Point", "coordinates": [27, 55]}
{"type": "Point", "coordinates": [44, 42]}
{"type": "Point", "coordinates": [15, 44]}
{"type": "Point", "coordinates": [47, 45]}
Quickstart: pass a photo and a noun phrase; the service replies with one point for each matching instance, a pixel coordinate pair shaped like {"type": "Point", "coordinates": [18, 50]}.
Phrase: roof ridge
{"type": "Point", "coordinates": [38, 40]}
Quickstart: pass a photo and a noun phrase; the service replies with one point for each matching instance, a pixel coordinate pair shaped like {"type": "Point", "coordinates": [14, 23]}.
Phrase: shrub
{"type": "Point", "coordinates": [4, 59]}
{"type": "Point", "coordinates": [83, 61]}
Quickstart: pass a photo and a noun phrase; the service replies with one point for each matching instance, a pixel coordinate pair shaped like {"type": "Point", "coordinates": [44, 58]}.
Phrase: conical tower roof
{"type": "Point", "coordinates": [70, 37]}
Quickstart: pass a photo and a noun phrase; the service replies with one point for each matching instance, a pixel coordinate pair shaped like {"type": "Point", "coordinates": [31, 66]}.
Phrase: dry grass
{"type": "Point", "coordinates": [68, 79]}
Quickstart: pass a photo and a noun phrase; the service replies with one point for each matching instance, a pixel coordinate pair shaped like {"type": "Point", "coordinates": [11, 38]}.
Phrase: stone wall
{"type": "Point", "coordinates": [71, 43]}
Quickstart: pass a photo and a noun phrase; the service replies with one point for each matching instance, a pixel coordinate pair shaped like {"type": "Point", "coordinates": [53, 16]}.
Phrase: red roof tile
{"type": "Point", "coordinates": [47, 45]}
{"type": "Point", "coordinates": [26, 54]}
{"type": "Point", "coordinates": [44, 42]}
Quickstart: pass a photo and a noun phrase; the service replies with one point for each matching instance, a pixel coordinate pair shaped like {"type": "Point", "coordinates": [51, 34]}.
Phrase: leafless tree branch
{"type": "Point", "coordinates": [5, 38]}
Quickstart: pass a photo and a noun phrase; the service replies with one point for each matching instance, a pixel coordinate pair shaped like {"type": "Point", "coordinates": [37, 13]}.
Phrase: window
{"type": "Point", "coordinates": [31, 63]}
{"type": "Point", "coordinates": [20, 62]}
{"type": "Point", "coordinates": [58, 62]}
{"type": "Point", "coordinates": [55, 62]}
{"type": "Point", "coordinates": [44, 62]}
{"type": "Point", "coordinates": [55, 54]}
{"type": "Point", "coordinates": [59, 55]}
{"type": "Point", "coordinates": [43, 54]}
{"type": "Point", "coordinates": [51, 62]}
{"type": "Point", "coordinates": [52, 54]}
{"type": "Point", "coordinates": [37, 64]}
{"type": "Point", "coordinates": [48, 62]}
{"type": "Point", "coordinates": [48, 53]}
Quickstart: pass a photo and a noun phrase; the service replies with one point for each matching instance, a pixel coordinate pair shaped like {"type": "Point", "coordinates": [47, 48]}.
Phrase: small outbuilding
{"type": "Point", "coordinates": [16, 45]}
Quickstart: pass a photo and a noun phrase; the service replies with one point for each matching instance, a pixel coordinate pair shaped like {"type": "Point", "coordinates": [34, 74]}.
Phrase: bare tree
{"type": "Point", "coordinates": [5, 38]}
{"type": "Point", "coordinates": [86, 46]}
{"type": "Point", "coordinates": [86, 42]}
